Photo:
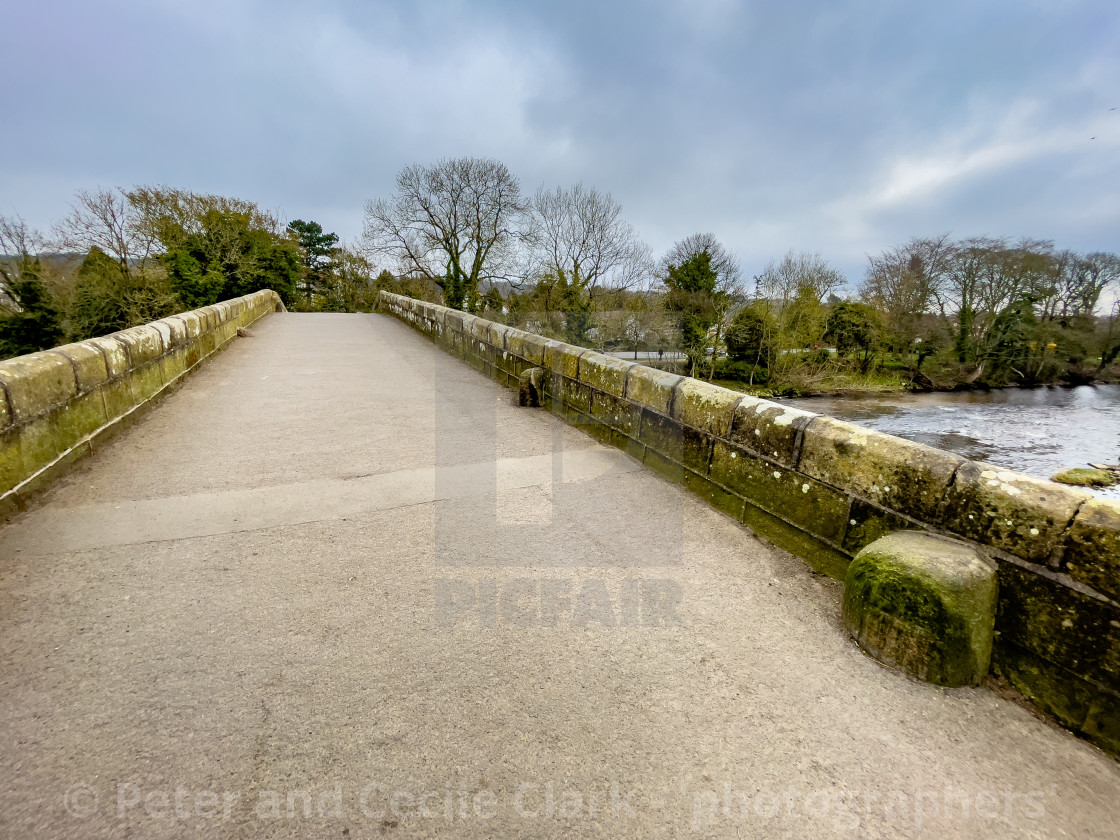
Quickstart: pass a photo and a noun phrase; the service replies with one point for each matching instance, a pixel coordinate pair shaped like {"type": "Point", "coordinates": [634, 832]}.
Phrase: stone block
{"type": "Point", "coordinates": [898, 474]}
{"type": "Point", "coordinates": [716, 496]}
{"type": "Point", "coordinates": [90, 369]}
{"type": "Point", "coordinates": [868, 522]}
{"type": "Point", "coordinates": [193, 324]}
{"type": "Point", "coordinates": [604, 373]}
{"type": "Point", "coordinates": [563, 359]}
{"type": "Point", "coordinates": [144, 344]}
{"type": "Point", "coordinates": [116, 356]}
{"type": "Point", "coordinates": [621, 415]}
{"type": "Point", "coordinates": [662, 434]}
{"type": "Point", "coordinates": [651, 387]}
{"type": "Point", "coordinates": [924, 603]}
{"type": "Point", "coordinates": [532, 348]}
{"type": "Point", "coordinates": [529, 387]}
{"type": "Point", "coordinates": [770, 429]}
{"type": "Point", "coordinates": [706, 407]}
{"type": "Point", "coordinates": [1042, 614]}
{"type": "Point", "coordinates": [1010, 511]}
{"type": "Point", "coordinates": [821, 557]}
{"type": "Point", "coordinates": [1092, 548]}
{"type": "Point", "coordinates": [177, 330]}
{"type": "Point", "coordinates": [36, 383]}
{"type": "Point", "coordinates": [806, 503]}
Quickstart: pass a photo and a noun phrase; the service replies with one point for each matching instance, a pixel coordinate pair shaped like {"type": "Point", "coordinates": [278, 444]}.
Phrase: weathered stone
{"type": "Point", "coordinates": [770, 429]}
{"type": "Point", "coordinates": [5, 412]}
{"type": "Point", "coordinates": [563, 359]}
{"type": "Point", "coordinates": [802, 501]}
{"type": "Point", "coordinates": [480, 328]}
{"type": "Point", "coordinates": [604, 373]}
{"type": "Point", "coordinates": [662, 434]}
{"type": "Point", "coordinates": [1076, 703]}
{"type": "Point", "coordinates": [1021, 515]}
{"type": "Point", "coordinates": [1092, 548]}
{"type": "Point", "coordinates": [1060, 624]}
{"type": "Point", "coordinates": [619, 414]}
{"type": "Point", "coordinates": [821, 557]}
{"type": "Point", "coordinates": [90, 369]}
{"type": "Point", "coordinates": [895, 473]}
{"type": "Point", "coordinates": [1086, 477]}
{"type": "Point", "coordinates": [719, 498]}
{"type": "Point", "coordinates": [37, 383]}
{"type": "Point", "coordinates": [192, 323]}
{"type": "Point", "coordinates": [144, 344]}
{"type": "Point", "coordinates": [178, 330]}
{"type": "Point", "coordinates": [529, 388]}
{"type": "Point", "coordinates": [574, 394]}
{"type": "Point", "coordinates": [651, 387]}
{"type": "Point", "coordinates": [868, 522]}
{"type": "Point", "coordinates": [666, 467]}
{"type": "Point", "coordinates": [533, 347]}
{"type": "Point", "coordinates": [704, 406]}
{"type": "Point", "coordinates": [924, 603]}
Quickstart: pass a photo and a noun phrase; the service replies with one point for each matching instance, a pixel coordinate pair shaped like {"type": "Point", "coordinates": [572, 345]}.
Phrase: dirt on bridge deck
{"type": "Point", "coordinates": [340, 585]}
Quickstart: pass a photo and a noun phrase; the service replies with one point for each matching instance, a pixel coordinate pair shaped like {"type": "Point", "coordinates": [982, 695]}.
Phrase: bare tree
{"type": "Point", "coordinates": [108, 220]}
{"type": "Point", "coordinates": [455, 223]}
{"type": "Point", "coordinates": [905, 283]}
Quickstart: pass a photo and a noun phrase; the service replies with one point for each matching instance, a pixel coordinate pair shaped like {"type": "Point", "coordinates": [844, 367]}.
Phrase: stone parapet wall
{"type": "Point", "coordinates": [823, 489]}
{"type": "Point", "coordinates": [56, 404]}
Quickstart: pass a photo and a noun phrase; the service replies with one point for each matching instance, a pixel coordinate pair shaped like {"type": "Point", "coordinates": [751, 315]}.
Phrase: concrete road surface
{"type": "Point", "coordinates": [340, 586]}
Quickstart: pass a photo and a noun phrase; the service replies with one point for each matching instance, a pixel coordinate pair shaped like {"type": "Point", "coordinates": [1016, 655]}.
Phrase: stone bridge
{"type": "Point", "coordinates": [336, 583]}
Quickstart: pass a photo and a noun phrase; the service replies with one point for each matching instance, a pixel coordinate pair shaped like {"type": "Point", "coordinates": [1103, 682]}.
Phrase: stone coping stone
{"type": "Point", "coordinates": [1092, 549]}
{"type": "Point", "coordinates": [90, 369]}
{"type": "Point", "coordinates": [770, 429]}
{"type": "Point", "coordinates": [895, 473]}
{"type": "Point", "coordinates": [706, 407]}
{"type": "Point", "coordinates": [144, 344]}
{"type": "Point", "coordinates": [563, 358]}
{"type": "Point", "coordinates": [925, 604]}
{"type": "Point", "coordinates": [36, 383]}
{"type": "Point", "coordinates": [651, 387]}
{"type": "Point", "coordinates": [1010, 511]}
{"type": "Point", "coordinates": [604, 373]}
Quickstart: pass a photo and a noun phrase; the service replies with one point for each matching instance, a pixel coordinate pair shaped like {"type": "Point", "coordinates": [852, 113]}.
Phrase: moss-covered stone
{"type": "Point", "coordinates": [662, 434]}
{"type": "Point", "coordinates": [119, 396]}
{"type": "Point", "coordinates": [619, 414]}
{"type": "Point", "coordinates": [1092, 547]}
{"type": "Point", "coordinates": [898, 474]}
{"type": "Point", "coordinates": [1076, 703]}
{"type": "Point", "coordinates": [770, 429]}
{"type": "Point", "coordinates": [798, 499]}
{"type": "Point", "coordinates": [37, 383]}
{"type": "Point", "coordinates": [1042, 614]}
{"type": "Point", "coordinates": [144, 344]}
{"type": "Point", "coordinates": [821, 557]}
{"type": "Point", "coordinates": [147, 381]}
{"type": "Point", "coordinates": [563, 359]}
{"type": "Point", "coordinates": [604, 373]}
{"type": "Point", "coordinates": [719, 498]}
{"type": "Point", "coordinates": [1010, 511]}
{"type": "Point", "coordinates": [651, 387]}
{"type": "Point", "coordinates": [704, 406]}
{"type": "Point", "coordinates": [925, 604]}
{"type": "Point", "coordinates": [868, 522]}
{"type": "Point", "coordinates": [1087, 477]}
{"type": "Point", "coordinates": [575, 394]}
{"type": "Point", "coordinates": [532, 348]}
{"type": "Point", "coordinates": [89, 365]}
{"type": "Point", "coordinates": [666, 467]}
{"type": "Point", "coordinates": [177, 330]}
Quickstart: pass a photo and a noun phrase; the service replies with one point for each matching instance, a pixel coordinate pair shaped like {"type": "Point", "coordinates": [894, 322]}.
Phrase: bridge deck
{"type": "Point", "coordinates": [281, 582]}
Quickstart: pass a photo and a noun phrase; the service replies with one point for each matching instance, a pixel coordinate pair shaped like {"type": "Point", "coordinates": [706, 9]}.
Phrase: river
{"type": "Point", "coordinates": [1038, 431]}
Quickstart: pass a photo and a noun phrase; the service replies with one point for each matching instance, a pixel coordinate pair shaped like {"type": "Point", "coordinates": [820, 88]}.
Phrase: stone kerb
{"type": "Point", "coordinates": [55, 403]}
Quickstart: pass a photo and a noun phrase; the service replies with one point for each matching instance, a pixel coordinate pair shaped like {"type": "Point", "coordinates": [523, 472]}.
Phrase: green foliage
{"type": "Point", "coordinates": [105, 299]}
{"type": "Point", "coordinates": [746, 338]}
{"type": "Point", "coordinates": [29, 319]}
{"type": "Point", "coordinates": [317, 255]}
{"type": "Point", "coordinates": [690, 297]}
{"type": "Point", "coordinates": [227, 256]}
{"type": "Point", "coordinates": [855, 330]}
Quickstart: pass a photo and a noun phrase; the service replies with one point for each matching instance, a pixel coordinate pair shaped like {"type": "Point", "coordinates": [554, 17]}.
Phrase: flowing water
{"type": "Point", "coordinates": [1038, 431]}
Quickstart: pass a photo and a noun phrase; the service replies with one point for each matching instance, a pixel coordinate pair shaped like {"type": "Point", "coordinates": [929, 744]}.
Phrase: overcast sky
{"type": "Point", "coordinates": [826, 125]}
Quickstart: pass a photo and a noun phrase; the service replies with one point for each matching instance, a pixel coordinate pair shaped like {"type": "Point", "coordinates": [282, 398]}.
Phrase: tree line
{"type": "Point", "coordinates": [564, 262]}
{"type": "Point", "coordinates": [126, 257]}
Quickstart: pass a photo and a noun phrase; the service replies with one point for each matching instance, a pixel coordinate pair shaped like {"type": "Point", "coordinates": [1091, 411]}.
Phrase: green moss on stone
{"type": "Point", "coordinates": [1087, 477]}
{"type": "Point", "coordinates": [925, 604]}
